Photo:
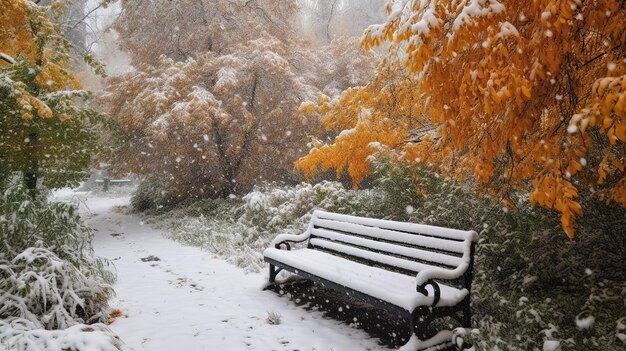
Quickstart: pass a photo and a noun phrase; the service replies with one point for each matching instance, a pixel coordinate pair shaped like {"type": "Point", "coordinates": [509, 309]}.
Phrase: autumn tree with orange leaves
{"type": "Point", "coordinates": [524, 96]}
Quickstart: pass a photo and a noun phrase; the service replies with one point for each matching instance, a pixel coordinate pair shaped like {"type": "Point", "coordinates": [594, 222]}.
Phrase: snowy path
{"type": "Point", "coordinates": [191, 300]}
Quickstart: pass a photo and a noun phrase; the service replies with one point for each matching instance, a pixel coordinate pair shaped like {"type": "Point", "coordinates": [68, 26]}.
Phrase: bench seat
{"type": "Point", "coordinates": [392, 287]}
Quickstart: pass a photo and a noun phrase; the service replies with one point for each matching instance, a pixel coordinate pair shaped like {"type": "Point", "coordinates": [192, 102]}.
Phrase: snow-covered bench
{"type": "Point", "coordinates": [420, 272]}
{"type": "Point", "coordinates": [107, 182]}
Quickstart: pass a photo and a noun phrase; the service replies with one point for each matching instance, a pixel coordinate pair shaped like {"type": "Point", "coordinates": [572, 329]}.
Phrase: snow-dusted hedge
{"type": "Point", "coordinates": [239, 229]}
{"type": "Point", "coordinates": [272, 208]}
{"type": "Point", "coordinates": [49, 279]}
{"type": "Point", "coordinates": [533, 289]}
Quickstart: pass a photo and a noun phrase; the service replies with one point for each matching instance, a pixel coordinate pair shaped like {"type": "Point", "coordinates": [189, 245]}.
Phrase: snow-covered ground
{"type": "Point", "coordinates": [191, 299]}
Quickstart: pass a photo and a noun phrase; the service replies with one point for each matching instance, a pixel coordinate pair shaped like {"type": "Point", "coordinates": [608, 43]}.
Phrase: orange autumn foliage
{"type": "Point", "coordinates": [521, 95]}
{"type": "Point", "coordinates": [379, 115]}
{"type": "Point", "coordinates": [29, 32]}
{"type": "Point", "coordinates": [15, 34]}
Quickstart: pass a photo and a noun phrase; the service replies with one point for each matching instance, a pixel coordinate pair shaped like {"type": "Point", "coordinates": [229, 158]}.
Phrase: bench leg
{"type": "Point", "coordinates": [273, 273]}
{"type": "Point", "coordinates": [420, 321]}
{"type": "Point", "coordinates": [467, 314]}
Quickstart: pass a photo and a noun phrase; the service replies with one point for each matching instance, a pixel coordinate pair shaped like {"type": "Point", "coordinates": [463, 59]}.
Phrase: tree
{"type": "Point", "coordinates": [44, 130]}
{"type": "Point", "coordinates": [213, 125]}
{"type": "Point", "coordinates": [217, 119]}
{"type": "Point", "coordinates": [520, 96]}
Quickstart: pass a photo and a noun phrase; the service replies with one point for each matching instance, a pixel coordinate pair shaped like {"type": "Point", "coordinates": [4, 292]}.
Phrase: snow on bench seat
{"type": "Point", "coordinates": [392, 287]}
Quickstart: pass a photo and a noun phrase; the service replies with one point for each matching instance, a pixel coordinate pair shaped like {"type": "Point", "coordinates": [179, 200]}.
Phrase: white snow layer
{"type": "Point", "coordinates": [21, 334]}
{"type": "Point", "coordinates": [551, 345]}
{"type": "Point", "coordinates": [475, 8]}
{"type": "Point", "coordinates": [507, 29]}
{"type": "Point", "coordinates": [395, 288]}
{"type": "Point", "coordinates": [420, 17]}
{"type": "Point", "coordinates": [585, 322]}
{"type": "Point", "coordinates": [193, 300]}
{"type": "Point", "coordinates": [440, 339]}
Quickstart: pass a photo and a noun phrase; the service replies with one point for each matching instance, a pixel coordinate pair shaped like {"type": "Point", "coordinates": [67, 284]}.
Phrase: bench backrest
{"type": "Point", "coordinates": [401, 246]}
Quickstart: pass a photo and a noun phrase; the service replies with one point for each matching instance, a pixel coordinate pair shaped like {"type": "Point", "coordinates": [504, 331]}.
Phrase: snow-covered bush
{"type": "Point", "coordinates": [535, 289]}
{"type": "Point", "coordinates": [239, 229]}
{"type": "Point", "coordinates": [23, 335]}
{"type": "Point", "coordinates": [51, 292]}
{"type": "Point", "coordinates": [273, 318]}
{"type": "Point", "coordinates": [151, 194]}
{"type": "Point", "coordinates": [34, 222]}
{"type": "Point", "coordinates": [271, 208]}
{"type": "Point", "coordinates": [48, 276]}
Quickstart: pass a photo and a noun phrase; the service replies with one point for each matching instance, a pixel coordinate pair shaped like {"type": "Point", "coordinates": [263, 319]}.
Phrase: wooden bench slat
{"type": "Point", "coordinates": [424, 255]}
{"type": "Point", "coordinates": [371, 256]}
{"type": "Point", "coordinates": [427, 230]}
{"type": "Point", "coordinates": [458, 247]}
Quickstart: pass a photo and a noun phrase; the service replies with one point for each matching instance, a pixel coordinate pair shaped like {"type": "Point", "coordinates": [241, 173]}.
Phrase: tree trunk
{"type": "Point", "coordinates": [31, 170]}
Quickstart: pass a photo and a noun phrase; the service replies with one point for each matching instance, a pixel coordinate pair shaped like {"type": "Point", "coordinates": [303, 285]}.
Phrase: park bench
{"type": "Point", "coordinates": [419, 272]}
{"type": "Point", "coordinates": [108, 182]}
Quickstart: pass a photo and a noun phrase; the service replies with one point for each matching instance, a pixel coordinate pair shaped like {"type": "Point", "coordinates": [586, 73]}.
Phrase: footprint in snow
{"type": "Point", "coordinates": [150, 258]}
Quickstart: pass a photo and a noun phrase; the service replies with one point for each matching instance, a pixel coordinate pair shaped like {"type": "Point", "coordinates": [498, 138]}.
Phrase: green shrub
{"type": "Point", "coordinates": [27, 222]}
{"type": "Point", "coordinates": [152, 194]}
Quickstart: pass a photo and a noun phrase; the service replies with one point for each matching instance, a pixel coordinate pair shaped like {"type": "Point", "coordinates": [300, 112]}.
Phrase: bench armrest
{"type": "Point", "coordinates": [286, 238]}
{"type": "Point", "coordinates": [427, 277]}
{"type": "Point", "coordinates": [441, 273]}
{"type": "Point", "coordinates": [436, 290]}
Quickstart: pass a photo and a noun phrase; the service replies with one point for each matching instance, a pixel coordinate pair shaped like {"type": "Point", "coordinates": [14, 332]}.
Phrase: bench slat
{"type": "Point", "coordinates": [393, 235]}
{"type": "Point", "coordinates": [437, 258]}
{"type": "Point", "coordinates": [428, 230]}
{"type": "Point", "coordinates": [371, 256]}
